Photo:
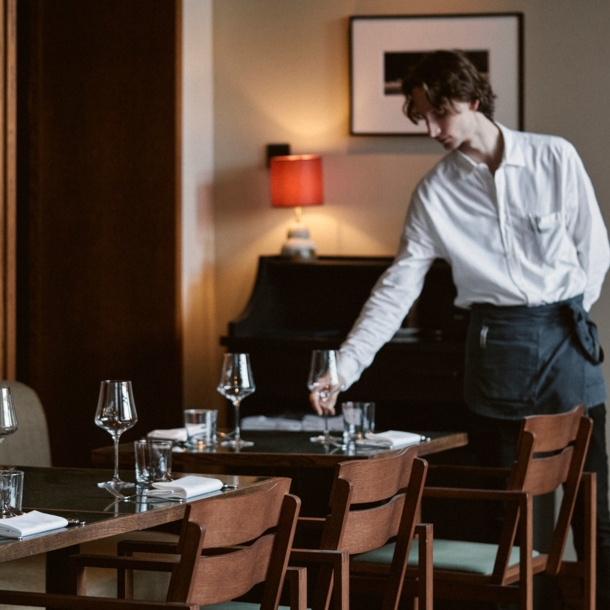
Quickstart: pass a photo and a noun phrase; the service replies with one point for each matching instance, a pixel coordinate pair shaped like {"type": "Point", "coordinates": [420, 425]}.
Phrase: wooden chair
{"type": "Point", "coordinates": [227, 545]}
{"type": "Point", "coordinates": [551, 452]}
{"type": "Point", "coordinates": [372, 501]}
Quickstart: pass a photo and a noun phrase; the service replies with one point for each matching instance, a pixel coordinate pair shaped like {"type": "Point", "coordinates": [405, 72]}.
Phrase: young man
{"type": "Point", "coordinates": [516, 217]}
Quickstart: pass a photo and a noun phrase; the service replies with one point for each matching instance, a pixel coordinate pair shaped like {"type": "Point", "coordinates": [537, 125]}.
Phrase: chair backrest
{"type": "Point", "coordinates": [371, 502]}
{"type": "Point", "coordinates": [30, 445]}
{"type": "Point", "coordinates": [368, 498]}
{"type": "Point", "coordinates": [262, 521]}
{"type": "Point", "coordinates": [551, 451]}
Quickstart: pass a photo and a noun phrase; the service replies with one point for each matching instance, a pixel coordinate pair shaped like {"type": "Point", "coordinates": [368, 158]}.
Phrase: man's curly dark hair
{"type": "Point", "coordinates": [447, 76]}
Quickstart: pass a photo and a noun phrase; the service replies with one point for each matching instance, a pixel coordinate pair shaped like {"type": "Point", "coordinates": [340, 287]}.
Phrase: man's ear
{"type": "Point", "coordinates": [474, 105]}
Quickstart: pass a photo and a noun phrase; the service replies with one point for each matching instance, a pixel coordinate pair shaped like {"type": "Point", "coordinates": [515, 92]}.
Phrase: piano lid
{"type": "Point", "coordinates": [323, 298]}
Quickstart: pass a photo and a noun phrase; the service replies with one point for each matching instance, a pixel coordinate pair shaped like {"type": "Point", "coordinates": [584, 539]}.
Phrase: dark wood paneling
{"type": "Point", "coordinates": [98, 222]}
{"type": "Point", "coordinates": [8, 188]}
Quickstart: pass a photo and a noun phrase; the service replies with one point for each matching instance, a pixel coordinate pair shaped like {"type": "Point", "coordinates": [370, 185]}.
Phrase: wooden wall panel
{"type": "Point", "coordinates": [99, 203]}
{"type": "Point", "coordinates": [8, 197]}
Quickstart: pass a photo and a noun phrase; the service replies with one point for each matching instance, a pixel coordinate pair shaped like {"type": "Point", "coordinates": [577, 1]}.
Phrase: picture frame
{"type": "Point", "coordinates": [383, 48]}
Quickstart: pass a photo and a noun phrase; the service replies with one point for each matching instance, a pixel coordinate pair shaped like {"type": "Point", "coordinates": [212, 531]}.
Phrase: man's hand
{"type": "Point", "coordinates": [323, 407]}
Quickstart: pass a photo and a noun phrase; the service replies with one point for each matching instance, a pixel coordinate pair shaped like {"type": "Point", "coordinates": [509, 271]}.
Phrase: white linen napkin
{"type": "Point", "coordinates": [391, 438]}
{"type": "Point", "coordinates": [260, 422]}
{"type": "Point", "coordinates": [315, 423]}
{"type": "Point", "coordinates": [29, 524]}
{"type": "Point", "coordinates": [185, 487]}
{"type": "Point", "coordinates": [172, 434]}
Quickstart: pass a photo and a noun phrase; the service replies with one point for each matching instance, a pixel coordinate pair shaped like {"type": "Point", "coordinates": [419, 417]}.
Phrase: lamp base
{"type": "Point", "coordinates": [299, 246]}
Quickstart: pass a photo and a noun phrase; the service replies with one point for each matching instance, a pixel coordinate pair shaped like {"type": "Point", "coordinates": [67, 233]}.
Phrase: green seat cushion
{"type": "Point", "coordinates": [473, 557]}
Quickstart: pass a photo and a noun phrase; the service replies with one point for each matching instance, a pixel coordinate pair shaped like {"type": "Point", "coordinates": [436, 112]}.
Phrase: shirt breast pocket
{"type": "Point", "coordinates": [545, 223]}
{"type": "Point", "coordinates": [547, 238]}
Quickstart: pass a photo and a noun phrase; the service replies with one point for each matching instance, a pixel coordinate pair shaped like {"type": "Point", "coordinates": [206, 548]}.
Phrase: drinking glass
{"type": "Point", "coordinates": [116, 412]}
{"type": "Point", "coordinates": [11, 493]}
{"type": "Point", "coordinates": [236, 383]}
{"type": "Point", "coordinates": [324, 380]}
{"type": "Point", "coordinates": [8, 417]}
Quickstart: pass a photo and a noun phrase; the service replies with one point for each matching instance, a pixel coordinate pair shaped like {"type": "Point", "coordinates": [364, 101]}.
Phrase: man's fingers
{"type": "Point", "coordinates": [320, 407]}
{"type": "Point", "coordinates": [314, 399]}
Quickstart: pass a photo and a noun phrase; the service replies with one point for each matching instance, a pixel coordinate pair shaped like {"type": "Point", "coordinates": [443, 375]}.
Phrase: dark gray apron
{"type": "Point", "coordinates": [532, 360]}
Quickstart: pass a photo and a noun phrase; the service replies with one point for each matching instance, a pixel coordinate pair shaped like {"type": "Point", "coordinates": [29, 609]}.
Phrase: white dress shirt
{"type": "Point", "coordinates": [530, 234]}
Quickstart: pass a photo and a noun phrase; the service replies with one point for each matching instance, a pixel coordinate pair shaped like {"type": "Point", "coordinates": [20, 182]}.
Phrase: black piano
{"type": "Point", "coordinates": [416, 379]}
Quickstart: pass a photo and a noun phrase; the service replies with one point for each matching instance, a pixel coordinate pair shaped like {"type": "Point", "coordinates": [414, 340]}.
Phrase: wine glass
{"type": "Point", "coordinates": [324, 380]}
{"type": "Point", "coordinates": [116, 412]}
{"type": "Point", "coordinates": [235, 384]}
{"type": "Point", "coordinates": [8, 417]}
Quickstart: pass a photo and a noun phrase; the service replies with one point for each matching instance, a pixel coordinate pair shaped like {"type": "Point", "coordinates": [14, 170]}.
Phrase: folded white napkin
{"type": "Point", "coordinates": [29, 524]}
{"type": "Point", "coordinates": [392, 439]}
{"type": "Point", "coordinates": [260, 422]}
{"type": "Point", "coordinates": [173, 434]}
{"type": "Point", "coordinates": [315, 423]}
{"type": "Point", "coordinates": [185, 487]}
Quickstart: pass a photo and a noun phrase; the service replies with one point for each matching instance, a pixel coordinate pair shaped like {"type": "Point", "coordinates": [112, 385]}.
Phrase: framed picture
{"type": "Point", "coordinates": [384, 48]}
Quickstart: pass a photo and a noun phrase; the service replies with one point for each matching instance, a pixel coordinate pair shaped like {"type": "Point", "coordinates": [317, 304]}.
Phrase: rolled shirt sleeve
{"type": "Point", "coordinates": [587, 228]}
{"type": "Point", "coordinates": [391, 297]}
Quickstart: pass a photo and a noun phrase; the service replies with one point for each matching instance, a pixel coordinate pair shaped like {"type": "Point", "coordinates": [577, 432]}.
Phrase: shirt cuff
{"type": "Point", "coordinates": [349, 370]}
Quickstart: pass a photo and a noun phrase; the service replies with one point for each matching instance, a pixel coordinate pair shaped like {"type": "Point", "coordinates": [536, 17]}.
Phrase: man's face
{"type": "Point", "coordinates": [452, 126]}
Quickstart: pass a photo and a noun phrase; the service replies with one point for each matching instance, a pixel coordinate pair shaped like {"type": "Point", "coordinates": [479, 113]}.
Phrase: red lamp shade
{"type": "Point", "coordinates": [296, 180]}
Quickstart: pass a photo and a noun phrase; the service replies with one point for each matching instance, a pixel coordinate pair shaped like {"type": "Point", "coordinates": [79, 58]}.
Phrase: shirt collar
{"type": "Point", "coordinates": [513, 150]}
{"type": "Point", "coordinates": [513, 154]}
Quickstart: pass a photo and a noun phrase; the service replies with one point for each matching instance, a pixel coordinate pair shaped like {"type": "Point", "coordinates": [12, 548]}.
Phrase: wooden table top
{"type": "Point", "coordinates": [280, 449]}
{"type": "Point", "coordinates": [275, 453]}
{"type": "Point", "coordinates": [73, 493]}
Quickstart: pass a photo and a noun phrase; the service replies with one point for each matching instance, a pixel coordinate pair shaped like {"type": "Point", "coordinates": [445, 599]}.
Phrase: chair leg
{"type": "Point", "coordinates": [426, 570]}
{"type": "Point", "coordinates": [296, 578]}
{"type": "Point", "coordinates": [526, 586]}
{"type": "Point", "coordinates": [124, 584]}
{"type": "Point", "coordinates": [324, 588]}
{"type": "Point", "coordinates": [341, 588]}
{"type": "Point", "coordinates": [80, 577]}
{"type": "Point", "coordinates": [124, 580]}
{"type": "Point", "coordinates": [589, 488]}
{"type": "Point", "coordinates": [333, 584]}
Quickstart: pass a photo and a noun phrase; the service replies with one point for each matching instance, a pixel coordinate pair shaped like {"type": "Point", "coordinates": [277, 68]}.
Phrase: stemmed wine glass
{"type": "Point", "coordinates": [235, 384]}
{"type": "Point", "coordinates": [324, 380]}
{"type": "Point", "coordinates": [8, 417]}
{"type": "Point", "coordinates": [116, 412]}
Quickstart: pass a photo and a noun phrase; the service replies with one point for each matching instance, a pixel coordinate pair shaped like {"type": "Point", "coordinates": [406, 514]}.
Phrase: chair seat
{"type": "Point", "coordinates": [455, 555]}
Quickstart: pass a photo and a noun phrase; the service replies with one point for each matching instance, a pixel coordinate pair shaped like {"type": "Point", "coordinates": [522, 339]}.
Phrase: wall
{"type": "Point", "coordinates": [281, 75]}
{"type": "Point", "coordinates": [198, 293]}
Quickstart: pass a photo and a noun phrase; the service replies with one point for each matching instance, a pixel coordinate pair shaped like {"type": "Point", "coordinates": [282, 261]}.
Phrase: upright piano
{"type": "Point", "coordinates": [416, 379]}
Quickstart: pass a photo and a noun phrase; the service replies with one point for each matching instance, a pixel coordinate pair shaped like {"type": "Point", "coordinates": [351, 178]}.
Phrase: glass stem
{"type": "Point", "coordinates": [116, 478]}
{"type": "Point", "coordinates": [237, 436]}
{"type": "Point", "coordinates": [323, 401]}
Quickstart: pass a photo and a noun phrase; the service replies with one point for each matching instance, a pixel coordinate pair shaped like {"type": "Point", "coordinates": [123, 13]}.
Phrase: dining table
{"type": "Point", "coordinates": [281, 453]}
{"type": "Point", "coordinates": [73, 493]}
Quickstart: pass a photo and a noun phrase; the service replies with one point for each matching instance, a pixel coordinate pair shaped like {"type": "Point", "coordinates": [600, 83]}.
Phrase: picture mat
{"type": "Point", "coordinates": [376, 113]}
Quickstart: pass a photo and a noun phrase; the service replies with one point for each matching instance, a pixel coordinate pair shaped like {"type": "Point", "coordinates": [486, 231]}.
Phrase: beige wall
{"type": "Point", "coordinates": [197, 223]}
{"type": "Point", "coordinates": [280, 74]}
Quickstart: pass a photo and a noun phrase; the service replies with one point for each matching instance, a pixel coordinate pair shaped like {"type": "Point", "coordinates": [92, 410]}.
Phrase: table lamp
{"type": "Point", "coordinates": [296, 180]}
